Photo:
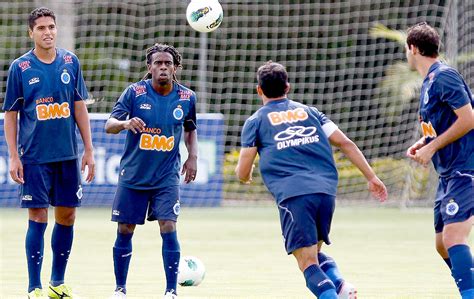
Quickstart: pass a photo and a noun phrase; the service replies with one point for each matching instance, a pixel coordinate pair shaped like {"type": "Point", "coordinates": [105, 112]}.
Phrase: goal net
{"type": "Point", "coordinates": [333, 61]}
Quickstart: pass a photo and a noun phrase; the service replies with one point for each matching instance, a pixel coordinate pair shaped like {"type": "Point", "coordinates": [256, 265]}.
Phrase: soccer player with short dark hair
{"type": "Point", "coordinates": [447, 122]}
{"type": "Point", "coordinates": [46, 88]}
{"type": "Point", "coordinates": [154, 112]}
{"type": "Point", "coordinates": [297, 166]}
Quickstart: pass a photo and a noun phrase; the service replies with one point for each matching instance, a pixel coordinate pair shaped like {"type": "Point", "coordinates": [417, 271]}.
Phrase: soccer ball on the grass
{"type": "Point", "coordinates": [204, 15]}
{"type": "Point", "coordinates": [191, 271]}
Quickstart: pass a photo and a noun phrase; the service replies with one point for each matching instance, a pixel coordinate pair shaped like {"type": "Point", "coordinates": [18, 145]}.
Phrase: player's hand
{"type": "Point", "coordinates": [424, 155]}
{"type": "Point", "coordinates": [412, 149]}
{"type": "Point", "coordinates": [88, 160]}
{"type": "Point", "coordinates": [189, 169]}
{"type": "Point", "coordinates": [250, 178]}
{"type": "Point", "coordinates": [135, 125]}
{"type": "Point", "coordinates": [377, 189]}
{"type": "Point", "coordinates": [16, 170]}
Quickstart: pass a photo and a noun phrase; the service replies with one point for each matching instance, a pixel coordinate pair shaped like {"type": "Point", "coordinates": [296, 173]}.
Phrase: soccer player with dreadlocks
{"type": "Point", "coordinates": [154, 112]}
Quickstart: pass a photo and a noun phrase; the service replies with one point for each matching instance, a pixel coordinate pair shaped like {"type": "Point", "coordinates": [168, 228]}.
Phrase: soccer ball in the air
{"type": "Point", "coordinates": [191, 271]}
{"type": "Point", "coordinates": [204, 15]}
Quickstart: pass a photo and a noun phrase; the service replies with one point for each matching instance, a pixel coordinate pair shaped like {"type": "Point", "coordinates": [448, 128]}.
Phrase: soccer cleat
{"type": "Point", "coordinates": [347, 291]}
{"type": "Point", "coordinates": [170, 295]}
{"type": "Point", "coordinates": [119, 294]}
{"type": "Point", "coordinates": [37, 294]}
{"type": "Point", "coordinates": [62, 291]}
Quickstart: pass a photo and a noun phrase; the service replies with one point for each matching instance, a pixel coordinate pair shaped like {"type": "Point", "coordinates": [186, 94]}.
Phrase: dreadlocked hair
{"type": "Point", "coordinates": [159, 48]}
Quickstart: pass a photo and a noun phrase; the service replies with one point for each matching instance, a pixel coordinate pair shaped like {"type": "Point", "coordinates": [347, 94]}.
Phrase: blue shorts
{"type": "Point", "coordinates": [306, 219]}
{"type": "Point", "coordinates": [454, 199]}
{"type": "Point", "coordinates": [130, 205]}
{"type": "Point", "coordinates": [56, 183]}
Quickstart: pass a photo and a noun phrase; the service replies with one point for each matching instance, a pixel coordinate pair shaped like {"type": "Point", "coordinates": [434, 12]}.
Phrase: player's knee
{"type": "Point", "coordinates": [167, 226]}
{"type": "Point", "coordinates": [38, 215]}
{"type": "Point", "coordinates": [453, 236]}
{"type": "Point", "coordinates": [306, 257]}
{"type": "Point", "coordinates": [67, 219]}
{"type": "Point", "coordinates": [125, 228]}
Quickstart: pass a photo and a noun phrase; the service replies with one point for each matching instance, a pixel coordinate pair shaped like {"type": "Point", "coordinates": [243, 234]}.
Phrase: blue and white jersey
{"type": "Point", "coordinates": [44, 94]}
{"type": "Point", "coordinates": [443, 91]}
{"type": "Point", "coordinates": [151, 158]}
{"type": "Point", "coordinates": [295, 153]}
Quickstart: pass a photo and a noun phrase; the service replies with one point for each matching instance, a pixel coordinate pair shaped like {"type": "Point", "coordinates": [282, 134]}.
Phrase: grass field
{"type": "Point", "coordinates": [386, 253]}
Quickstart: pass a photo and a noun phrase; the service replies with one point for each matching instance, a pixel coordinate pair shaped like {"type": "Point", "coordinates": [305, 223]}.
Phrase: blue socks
{"type": "Point", "coordinates": [318, 283]}
{"type": "Point", "coordinates": [122, 256]}
{"type": "Point", "coordinates": [61, 243]}
{"type": "Point", "coordinates": [34, 245]}
{"type": "Point", "coordinates": [461, 260]}
{"type": "Point", "coordinates": [171, 255]}
{"type": "Point", "coordinates": [328, 265]}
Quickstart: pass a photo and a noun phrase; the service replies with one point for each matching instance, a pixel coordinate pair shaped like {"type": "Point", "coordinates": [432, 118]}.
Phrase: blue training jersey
{"type": "Point", "coordinates": [295, 154]}
{"type": "Point", "coordinates": [44, 94]}
{"type": "Point", "coordinates": [151, 158]}
{"type": "Point", "coordinates": [444, 91]}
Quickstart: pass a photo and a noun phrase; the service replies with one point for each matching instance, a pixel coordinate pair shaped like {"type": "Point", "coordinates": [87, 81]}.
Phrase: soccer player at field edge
{"type": "Point", "coordinates": [154, 112]}
{"type": "Point", "coordinates": [45, 86]}
{"type": "Point", "coordinates": [447, 122]}
{"type": "Point", "coordinates": [297, 166]}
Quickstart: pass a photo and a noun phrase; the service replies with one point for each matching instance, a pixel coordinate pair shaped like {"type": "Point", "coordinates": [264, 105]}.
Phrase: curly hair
{"type": "Point", "coordinates": [160, 48]}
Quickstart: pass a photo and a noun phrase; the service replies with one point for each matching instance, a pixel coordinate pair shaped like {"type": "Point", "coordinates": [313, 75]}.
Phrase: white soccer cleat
{"type": "Point", "coordinates": [118, 295]}
{"type": "Point", "coordinates": [347, 291]}
{"type": "Point", "coordinates": [170, 295]}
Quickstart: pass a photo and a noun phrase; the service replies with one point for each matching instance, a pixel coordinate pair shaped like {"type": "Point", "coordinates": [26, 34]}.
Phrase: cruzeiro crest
{"type": "Point", "coordinates": [452, 207]}
{"type": "Point", "coordinates": [65, 77]}
{"type": "Point", "coordinates": [178, 113]}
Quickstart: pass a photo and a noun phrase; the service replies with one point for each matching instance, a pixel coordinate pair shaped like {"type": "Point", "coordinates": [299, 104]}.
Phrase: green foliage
{"type": "Point", "coordinates": [381, 31]}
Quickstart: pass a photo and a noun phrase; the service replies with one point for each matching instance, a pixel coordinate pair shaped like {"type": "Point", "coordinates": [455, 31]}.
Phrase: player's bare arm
{"type": "Point", "coordinates": [82, 119]}
{"type": "Point", "coordinates": [245, 165]}
{"type": "Point", "coordinates": [462, 126]}
{"type": "Point", "coordinates": [190, 166]}
{"type": "Point", "coordinates": [16, 167]}
{"type": "Point", "coordinates": [115, 126]}
{"type": "Point", "coordinates": [353, 153]}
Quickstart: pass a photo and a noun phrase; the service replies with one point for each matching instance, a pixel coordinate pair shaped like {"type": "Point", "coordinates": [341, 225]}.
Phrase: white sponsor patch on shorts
{"type": "Point", "coordinates": [27, 197]}
{"type": "Point", "coordinates": [176, 208]}
{"type": "Point", "coordinates": [79, 192]}
{"type": "Point", "coordinates": [116, 212]}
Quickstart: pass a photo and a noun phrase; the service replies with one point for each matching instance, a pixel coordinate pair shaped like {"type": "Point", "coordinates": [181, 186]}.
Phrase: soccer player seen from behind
{"type": "Point", "coordinates": [297, 166]}
{"type": "Point", "coordinates": [447, 122]}
{"type": "Point", "coordinates": [154, 112]}
{"type": "Point", "coordinates": [46, 88]}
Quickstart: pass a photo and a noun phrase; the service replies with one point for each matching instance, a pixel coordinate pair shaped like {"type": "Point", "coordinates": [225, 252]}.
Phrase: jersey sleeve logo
{"type": "Point", "coordinates": [184, 95]}
{"type": "Point", "coordinates": [24, 65]}
{"type": "Point", "coordinates": [65, 77]}
{"type": "Point", "coordinates": [139, 90]}
{"type": "Point", "coordinates": [46, 109]}
{"type": "Point", "coordinates": [288, 116]}
{"type": "Point", "coordinates": [67, 59]}
{"type": "Point", "coordinates": [428, 130]}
